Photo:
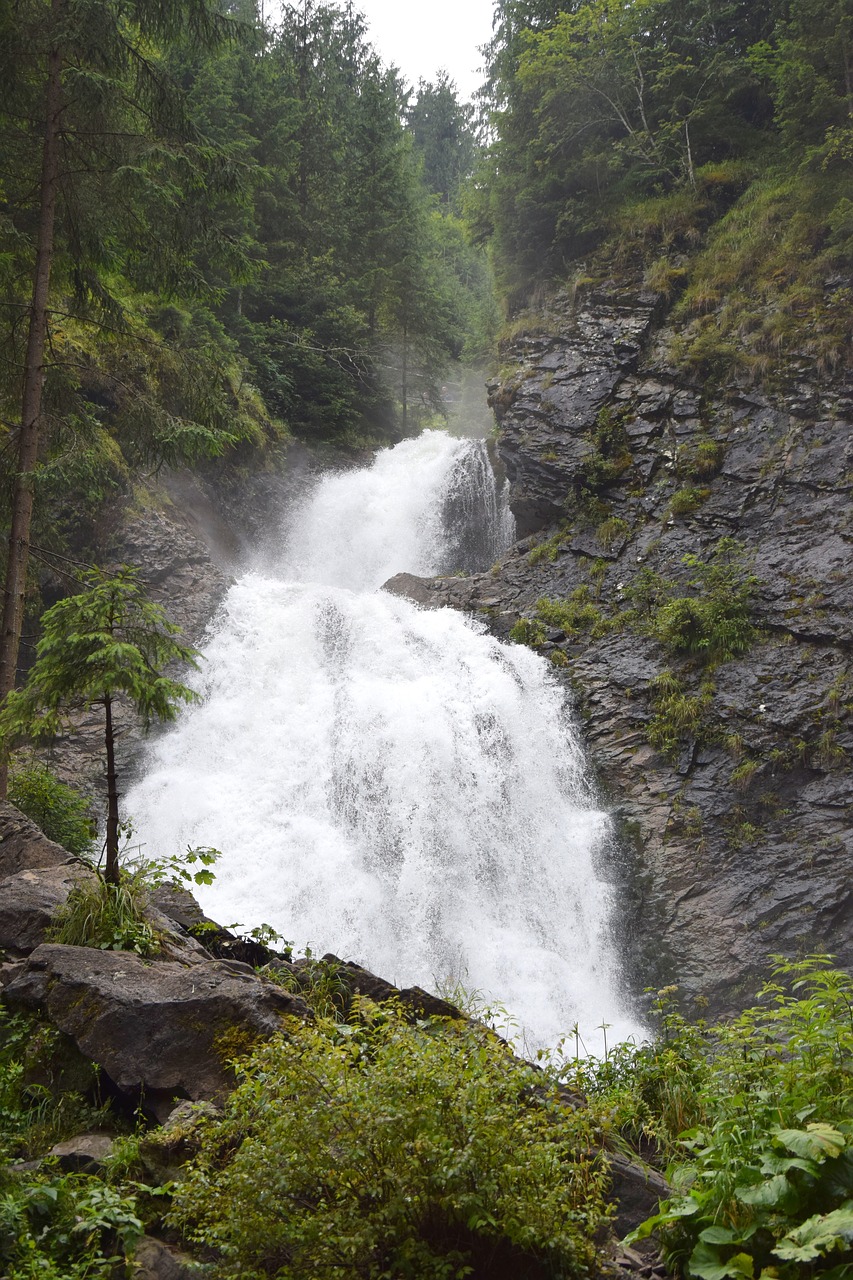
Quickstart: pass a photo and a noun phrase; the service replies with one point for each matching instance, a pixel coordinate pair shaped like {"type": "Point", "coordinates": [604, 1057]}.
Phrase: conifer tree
{"type": "Point", "coordinates": [108, 641]}
{"type": "Point", "coordinates": [87, 82]}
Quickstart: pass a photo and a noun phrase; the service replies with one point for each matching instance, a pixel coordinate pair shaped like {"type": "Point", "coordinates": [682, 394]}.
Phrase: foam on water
{"type": "Point", "coordinates": [387, 782]}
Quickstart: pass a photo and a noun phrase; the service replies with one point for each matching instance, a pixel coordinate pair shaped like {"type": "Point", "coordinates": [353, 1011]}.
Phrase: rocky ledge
{"type": "Point", "coordinates": [733, 788]}
{"type": "Point", "coordinates": [160, 1035]}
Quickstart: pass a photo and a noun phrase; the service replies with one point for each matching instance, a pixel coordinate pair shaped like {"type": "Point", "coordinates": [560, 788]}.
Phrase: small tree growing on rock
{"type": "Point", "coordinates": [107, 642]}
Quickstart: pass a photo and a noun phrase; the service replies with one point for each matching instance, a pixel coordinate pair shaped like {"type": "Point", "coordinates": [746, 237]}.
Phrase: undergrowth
{"type": "Point", "coordinates": [753, 1119]}
{"type": "Point", "coordinates": [380, 1148]}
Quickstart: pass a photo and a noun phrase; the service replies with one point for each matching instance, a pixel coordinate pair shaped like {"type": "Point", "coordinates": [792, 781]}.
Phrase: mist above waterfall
{"type": "Point", "coordinates": [387, 782]}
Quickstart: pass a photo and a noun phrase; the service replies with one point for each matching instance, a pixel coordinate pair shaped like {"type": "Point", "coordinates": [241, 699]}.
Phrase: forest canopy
{"type": "Point", "coordinates": [614, 122]}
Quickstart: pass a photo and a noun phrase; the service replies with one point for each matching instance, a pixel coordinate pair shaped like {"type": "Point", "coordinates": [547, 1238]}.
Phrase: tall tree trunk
{"type": "Point", "coordinates": [111, 869]}
{"type": "Point", "coordinates": [33, 382]}
{"type": "Point", "coordinates": [405, 376]}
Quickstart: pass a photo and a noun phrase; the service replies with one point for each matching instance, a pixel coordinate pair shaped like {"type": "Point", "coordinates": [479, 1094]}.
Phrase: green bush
{"type": "Point", "coordinates": [63, 814]}
{"type": "Point", "coordinates": [383, 1149]}
{"type": "Point", "coordinates": [110, 917]}
{"type": "Point", "coordinates": [678, 715]}
{"type": "Point", "coordinates": [715, 622]}
{"type": "Point", "coordinates": [52, 1226]}
{"type": "Point", "coordinates": [763, 1171]}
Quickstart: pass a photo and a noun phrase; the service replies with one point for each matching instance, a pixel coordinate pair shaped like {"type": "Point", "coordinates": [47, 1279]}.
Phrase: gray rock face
{"type": "Point", "coordinates": [160, 1028]}
{"type": "Point", "coordinates": [741, 844]}
{"type": "Point", "coordinates": [23, 845]}
{"type": "Point", "coordinates": [565, 379]}
{"type": "Point", "coordinates": [30, 900]}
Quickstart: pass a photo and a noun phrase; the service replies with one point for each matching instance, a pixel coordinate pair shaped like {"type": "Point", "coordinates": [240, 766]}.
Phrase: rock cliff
{"type": "Point", "coordinates": [727, 764]}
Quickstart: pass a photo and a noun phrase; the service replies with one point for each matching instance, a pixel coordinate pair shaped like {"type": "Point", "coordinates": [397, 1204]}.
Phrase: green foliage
{"type": "Point", "coordinates": [575, 615]}
{"type": "Point", "coordinates": [764, 1171]}
{"type": "Point", "coordinates": [382, 1148]}
{"type": "Point", "coordinates": [678, 715]}
{"type": "Point", "coordinates": [527, 631]}
{"type": "Point", "coordinates": [715, 623]}
{"type": "Point", "coordinates": [108, 916]}
{"type": "Point", "coordinates": [609, 458]}
{"type": "Point", "coordinates": [68, 1227]}
{"type": "Point", "coordinates": [106, 641]}
{"type": "Point", "coordinates": [685, 501]}
{"type": "Point", "coordinates": [63, 814]}
{"type": "Point", "coordinates": [113, 917]}
{"type": "Point", "coordinates": [758, 289]}
{"type": "Point", "coordinates": [182, 869]}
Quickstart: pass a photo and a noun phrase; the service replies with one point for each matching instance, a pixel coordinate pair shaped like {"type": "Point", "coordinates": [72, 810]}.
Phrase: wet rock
{"type": "Point", "coordinates": [30, 900]}
{"type": "Point", "coordinates": [742, 844]}
{"type": "Point", "coordinates": [360, 981]}
{"type": "Point", "coordinates": [165, 1150]}
{"type": "Point", "coordinates": [421, 591]}
{"type": "Point", "coordinates": [159, 1029]}
{"type": "Point", "coordinates": [154, 1260]}
{"type": "Point", "coordinates": [23, 846]}
{"type": "Point", "coordinates": [87, 1153]}
{"type": "Point", "coordinates": [635, 1189]}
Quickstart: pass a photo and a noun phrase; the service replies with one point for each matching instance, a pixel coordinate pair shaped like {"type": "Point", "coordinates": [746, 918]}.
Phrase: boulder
{"type": "Point", "coordinates": [154, 1260]}
{"type": "Point", "coordinates": [30, 899]}
{"type": "Point", "coordinates": [23, 847]}
{"type": "Point", "coordinates": [87, 1153]}
{"type": "Point", "coordinates": [166, 1149]}
{"type": "Point", "coordinates": [160, 1029]}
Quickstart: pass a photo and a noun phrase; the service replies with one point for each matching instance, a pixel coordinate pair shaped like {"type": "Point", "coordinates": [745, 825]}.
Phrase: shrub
{"type": "Point", "coordinates": [387, 1149]}
{"type": "Point", "coordinates": [576, 614]}
{"type": "Point", "coordinates": [527, 631]}
{"type": "Point", "coordinates": [764, 1177]}
{"type": "Point", "coordinates": [107, 916]}
{"type": "Point", "coordinates": [62, 813]}
{"type": "Point", "coordinates": [112, 917]}
{"type": "Point", "coordinates": [677, 714]}
{"type": "Point", "coordinates": [715, 623]}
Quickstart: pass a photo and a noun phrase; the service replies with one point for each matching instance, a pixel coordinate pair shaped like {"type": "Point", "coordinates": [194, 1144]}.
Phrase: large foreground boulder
{"type": "Point", "coordinates": [160, 1029]}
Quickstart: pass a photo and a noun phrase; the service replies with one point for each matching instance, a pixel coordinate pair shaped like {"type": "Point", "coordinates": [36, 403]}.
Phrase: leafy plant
{"type": "Point", "coordinates": [108, 916]}
{"type": "Point", "coordinates": [715, 622]}
{"type": "Point", "coordinates": [109, 641]}
{"type": "Point", "coordinates": [380, 1148]}
{"type": "Point", "coordinates": [677, 714]}
{"type": "Point", "coordinates": [63, 814]}
{"type": "Point", "coordinates": [764, 1173]}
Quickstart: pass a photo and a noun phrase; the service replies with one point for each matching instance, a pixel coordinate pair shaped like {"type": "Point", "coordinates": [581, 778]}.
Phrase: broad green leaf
{"type": "Point", "coordinates": [774, 1193]}
{"type": "Point", "coordinates": [706, 1264]}
{"type": "Point", "coordinates": [774, 1163]}
{"type": "Point", "coordinates": [817, 1235]}
{"type": "Point", "coordinates": [718, 1235]}
{"type": "Point", "coordinates": [817, 1141]}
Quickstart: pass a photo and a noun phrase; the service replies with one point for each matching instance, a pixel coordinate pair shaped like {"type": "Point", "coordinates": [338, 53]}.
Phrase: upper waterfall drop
{"type": "Point", "coordinates": [387, 782]}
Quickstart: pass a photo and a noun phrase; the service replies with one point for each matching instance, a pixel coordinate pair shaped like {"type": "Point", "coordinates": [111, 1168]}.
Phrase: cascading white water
{"type": "Point", "coordinates": [387, 782]}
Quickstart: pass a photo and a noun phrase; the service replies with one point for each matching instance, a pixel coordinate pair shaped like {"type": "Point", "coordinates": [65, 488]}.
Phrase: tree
{"type": "Point", "coordinates": [443, 132]}
{"type": "Point", "coordinates": [83, 86]}
{"type": "Point", "coordinates": [107, 642]}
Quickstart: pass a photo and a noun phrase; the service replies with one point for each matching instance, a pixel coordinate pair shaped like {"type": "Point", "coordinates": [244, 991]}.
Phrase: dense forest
{"type": "Point", "coordinates": [710, 144]}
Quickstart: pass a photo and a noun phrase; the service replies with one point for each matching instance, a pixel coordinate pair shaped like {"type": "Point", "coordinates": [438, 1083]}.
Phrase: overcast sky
{"type": "Point", "coordinates": [421, 36]}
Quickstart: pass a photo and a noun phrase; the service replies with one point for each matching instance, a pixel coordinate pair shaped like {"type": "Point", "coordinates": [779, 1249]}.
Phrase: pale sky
{"type": "Point", "coordinates": [421, 36]}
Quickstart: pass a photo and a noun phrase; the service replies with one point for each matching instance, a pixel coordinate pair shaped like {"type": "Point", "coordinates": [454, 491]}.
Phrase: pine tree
{"type": "Point", "coordinates": [106, 642]}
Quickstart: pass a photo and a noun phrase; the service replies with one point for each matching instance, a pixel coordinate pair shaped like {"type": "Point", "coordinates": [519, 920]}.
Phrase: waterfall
{"type": "Point", "coordinates": [387, 782]}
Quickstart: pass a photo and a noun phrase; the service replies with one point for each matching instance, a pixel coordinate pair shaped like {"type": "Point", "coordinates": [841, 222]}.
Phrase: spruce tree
{"type": "Point", "coordinates": [107, 642]}
{"type": "Point", "coordinates": [87, 82]}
